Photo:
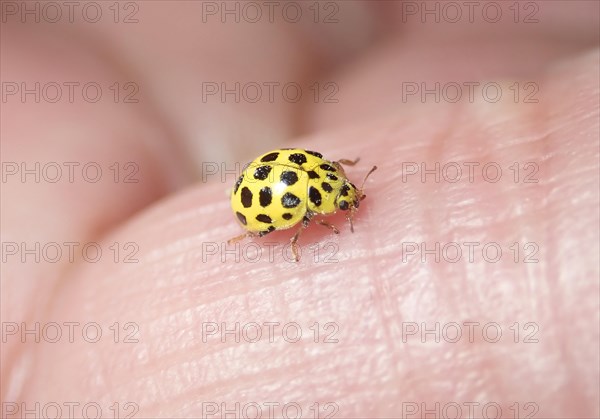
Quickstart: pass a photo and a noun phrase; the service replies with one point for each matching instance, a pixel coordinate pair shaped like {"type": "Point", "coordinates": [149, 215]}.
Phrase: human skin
{"type": "Point", "coordinates": [371, 294]}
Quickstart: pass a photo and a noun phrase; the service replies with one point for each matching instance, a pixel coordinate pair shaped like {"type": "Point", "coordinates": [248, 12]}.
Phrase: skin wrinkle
{"type": "Point", "coordinates": [268, 377]}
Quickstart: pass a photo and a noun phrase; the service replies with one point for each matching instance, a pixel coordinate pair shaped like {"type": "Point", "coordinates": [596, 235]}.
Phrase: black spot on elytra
{"type": "Point", "coordinates": [331, 176]}
{"type": "Point", "coordinates": [246, 197]}
{"type": "Point", "coordinates": [327, 167]}
{"type": "Point", "coordinates": [264, 218]}
{"type": "Point", "coordinates": [343, 205]}
{"type": "Point", "coordinates": [289, 200]}
{"type": "Point", "coordinates": [312, 174]}
{"type": "Point", "coordinates": [241, 217]}
{"type": "Point", "coordinates": [265, 196]}
{"type": "Point", "coordinates": [297, 158]}
{"type": "Point", "coordinates": [289, 178]}
{"type": "Point", "coordinates": [262, 172]}
{"type": "Point", "coordinates": [314, 153]}
{"type": "Point", "coordinates": [344, 190]}
{"type": "Point", "coordinates": [270, 157]}
{"type": "Point", "coordinates": [237, 184]}
{"type": "Point", "coordinates": [287, 216]}
{"type": "Point", "coordinates": [326, 187]}
{"type": "Point", "coordinates": [265, 232]}
{"type": "Point", "coordinates": [314, 195]}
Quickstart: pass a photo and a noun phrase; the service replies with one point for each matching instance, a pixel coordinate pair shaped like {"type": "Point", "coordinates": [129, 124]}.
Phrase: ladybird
{"type": "Point", "coordinates": [288, 186]}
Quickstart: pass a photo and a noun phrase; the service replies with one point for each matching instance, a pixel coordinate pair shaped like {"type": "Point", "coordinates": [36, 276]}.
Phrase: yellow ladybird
{"type": "Point", "coordinates": [287, 186]}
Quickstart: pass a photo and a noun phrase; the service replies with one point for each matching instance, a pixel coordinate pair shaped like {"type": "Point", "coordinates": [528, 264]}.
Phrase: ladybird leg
{"type": "Point", "coordinates": [330, 226]}
{"type": "Point", "coordinates": [294, 240]}
{"type": "Point", "coordinates": [240, 237]}
{"type": "Point", "coordinates": [350, 218]}
{"type": "Point", "coordinates": [294, 243]}
{"type": "Point", "coordinates": [348, 162]}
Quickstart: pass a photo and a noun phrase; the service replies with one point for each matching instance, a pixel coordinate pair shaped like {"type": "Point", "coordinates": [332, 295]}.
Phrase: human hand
{"type": "Point", "coordinates": [158, 289]}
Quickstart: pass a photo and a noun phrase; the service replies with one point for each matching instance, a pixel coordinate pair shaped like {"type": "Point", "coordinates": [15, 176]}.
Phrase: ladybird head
{"type": "Point", "coordinates": [349, 197]}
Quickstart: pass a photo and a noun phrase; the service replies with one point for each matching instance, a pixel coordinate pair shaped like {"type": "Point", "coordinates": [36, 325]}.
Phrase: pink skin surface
{"type": "Point", "coordinates": [378, 296]}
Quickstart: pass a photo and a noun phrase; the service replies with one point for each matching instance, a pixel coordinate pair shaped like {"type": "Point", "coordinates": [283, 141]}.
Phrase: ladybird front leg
{"type": "Point", "coordinates": [350, 218]}
{"type": "Point", "coordinates": [330, 226]}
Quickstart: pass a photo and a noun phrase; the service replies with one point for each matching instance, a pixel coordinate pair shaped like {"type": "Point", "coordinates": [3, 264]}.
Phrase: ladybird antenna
{"type": "Point", "coordinates": [366, 176]}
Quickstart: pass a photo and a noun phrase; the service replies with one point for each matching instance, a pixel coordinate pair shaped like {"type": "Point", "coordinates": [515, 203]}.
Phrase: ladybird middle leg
{"type": "Point", "coordinates": [328, 225]}
{"type": "Point", "coordinates": [294, 239]}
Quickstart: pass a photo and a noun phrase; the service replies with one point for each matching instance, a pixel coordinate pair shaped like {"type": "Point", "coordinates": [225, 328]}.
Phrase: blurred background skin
{"type": "Point", "coordinates": [368, 53]}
